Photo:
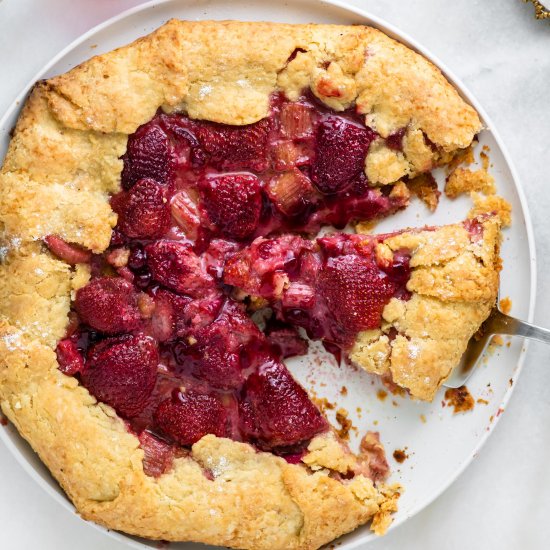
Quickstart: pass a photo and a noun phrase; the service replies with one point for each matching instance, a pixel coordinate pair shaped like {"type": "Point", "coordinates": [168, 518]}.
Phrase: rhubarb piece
{"type": "Point", "coordinates": [186, 214]}
{"type": "Point", "coordinates": [288, 155]}
{"type": "Point", "coordinates": [168, 318]}
{"type": "Point", "coordinates": [68, 252]}
{"type": "Point", "coordinates": [262, 269]}
{"type": "Point", "coordinates": [291, 192]}
{"type": "Point", "coordinates": [158, 455]}
{"type": "Point", "coordinates": [296, 120]}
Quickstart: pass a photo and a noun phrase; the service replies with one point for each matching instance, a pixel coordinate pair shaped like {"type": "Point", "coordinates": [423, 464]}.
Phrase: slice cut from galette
{"type": "Point", "coordinates": [401, 305]}
{"type": "Point", "coordinates": [146, 192]}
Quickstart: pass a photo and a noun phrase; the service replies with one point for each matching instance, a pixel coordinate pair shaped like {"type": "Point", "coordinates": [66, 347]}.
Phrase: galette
{"type": "Point", "coordinates": [175, 222]}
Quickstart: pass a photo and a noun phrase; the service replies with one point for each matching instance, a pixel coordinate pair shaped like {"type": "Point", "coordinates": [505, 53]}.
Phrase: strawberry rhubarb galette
{"type": "Point", "coordinates": [153, 199]}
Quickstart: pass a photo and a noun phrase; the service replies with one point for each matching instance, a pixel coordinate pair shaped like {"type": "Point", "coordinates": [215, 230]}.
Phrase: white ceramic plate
{"type": "Point", "coordinates": [439, 444]}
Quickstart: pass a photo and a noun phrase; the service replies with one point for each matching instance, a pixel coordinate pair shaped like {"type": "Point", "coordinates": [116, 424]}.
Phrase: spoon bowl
{"type": "Point", "coordinates": [496, 323]}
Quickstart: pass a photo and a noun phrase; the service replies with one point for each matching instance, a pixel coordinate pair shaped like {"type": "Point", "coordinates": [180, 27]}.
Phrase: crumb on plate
{"type": "Point", "coordinates": [460, 399]}
{"type": "Point", "coordinates": [463, 180]}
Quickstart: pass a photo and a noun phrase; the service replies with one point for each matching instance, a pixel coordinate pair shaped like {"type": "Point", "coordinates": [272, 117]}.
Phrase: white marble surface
{"type": "Point", "coordinates": [503, 55]}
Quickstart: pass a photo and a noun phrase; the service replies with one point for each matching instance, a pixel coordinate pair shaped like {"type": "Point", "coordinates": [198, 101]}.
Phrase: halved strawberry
{"type": "Point", "coordinates": [341, 149]}
{"type": "Point", "coordinates": [218, 347]}
{"type": "Point", "coordinates": [177, 267]}
{"type": "Point", "coordinates": [68, 252]}
{"type": "Point", "coordinates": [121, 372]}
{"type": "Point", "coordinates": [142, 211]}
{"type": "Point", "coordinates": [276, 411]}
{"type": "Point", "coordinates": [188, 416]}
{"type": "Point", "coordinates": [355, 291]}
{"type": "Point", "coordinates": [235, 147]}
{"type": "Point", "coordinates": [233, 203]}
{"type": "Point", "coordinates": [148, 155]}
{"type": "Point", "coordinates": [108, 304]}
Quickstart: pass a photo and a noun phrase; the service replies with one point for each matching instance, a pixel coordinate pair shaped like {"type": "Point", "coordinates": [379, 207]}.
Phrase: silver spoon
{"type": "Point", "coordinates": [496, 323]}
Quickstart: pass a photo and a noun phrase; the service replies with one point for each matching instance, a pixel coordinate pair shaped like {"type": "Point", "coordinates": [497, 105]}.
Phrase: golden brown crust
{"type": "Point", "coordinates": [454, 285]}
{"type": "Point", "coordinates": [463, 180]}
{"type": "Point", "coordinates": [61, 166]}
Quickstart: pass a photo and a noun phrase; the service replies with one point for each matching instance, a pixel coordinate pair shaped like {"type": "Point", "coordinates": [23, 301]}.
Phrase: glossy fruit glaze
{"type": "Point", "coordinates": [157, 332]}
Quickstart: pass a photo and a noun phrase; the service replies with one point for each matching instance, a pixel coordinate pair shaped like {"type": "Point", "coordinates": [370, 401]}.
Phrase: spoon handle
{"type": "Point", "coordinates": [504, 324]}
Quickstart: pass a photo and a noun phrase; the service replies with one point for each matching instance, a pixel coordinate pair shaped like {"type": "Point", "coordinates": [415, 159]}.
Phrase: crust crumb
{"type": "Point", "coordinates": [493, 204]}
{"type": "Point", "coordinates": [382, 394]}
{"type": "Point", "coordinates": [425, 188]}
{"type": "Point", "coordinates": [345, 424]}
{"type": "Point", "coordinates": [365, 228]}
{"type": "Point", "coordinates": [323, 404]}
{"type": "Point", "coordinates": [462, 157]}
{"type": "Point", "coordinates": [484, 160]}
{"type": "Point", "coordinates": [343, 391]}
{"type": "Point", "coordinates": [506, 305]}
{"type": "Point", "coordinates": [400, 455]}
{"type": "Point", "coordinates": [423, 418]}
{"type": "Point", "coordinates": [463, 180]}
{"type": "Point", "coordinates": [460, 399]}
{"type": "Point", "coordinates": [482, 401]}
{"type": "Point", "coordinates": [383, 518]}
{"type": "Point", "coordinates": [497, 340]}
{"type": "Point", "coordinates": [392, 387]}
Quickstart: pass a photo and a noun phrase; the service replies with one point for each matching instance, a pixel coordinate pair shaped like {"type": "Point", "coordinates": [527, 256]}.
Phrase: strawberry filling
{"type": "Point", "coordinates": [158, 334]}
{"type": "Point", "coordinates": [333, 287]}
{"type": "Point", "coordinates": [298, 169]}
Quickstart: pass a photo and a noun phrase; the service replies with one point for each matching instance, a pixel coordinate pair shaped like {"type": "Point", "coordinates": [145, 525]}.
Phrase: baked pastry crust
{"type": "Point", "coordinates": [63, 163]}
{"type": "Point", "coordinates": [454, 285]}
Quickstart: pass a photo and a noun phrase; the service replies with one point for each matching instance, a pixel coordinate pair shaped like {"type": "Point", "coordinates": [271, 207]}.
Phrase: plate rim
{"type": "Point", "coordinates": [392, 30]}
